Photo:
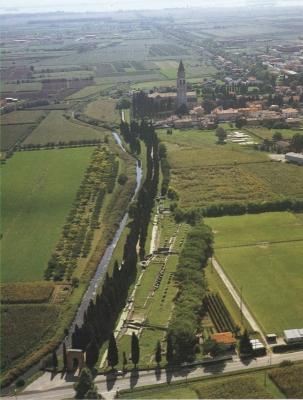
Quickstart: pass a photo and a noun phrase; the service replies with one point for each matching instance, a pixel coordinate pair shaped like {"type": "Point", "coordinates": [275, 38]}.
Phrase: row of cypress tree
{"type": "Point", "coordinates": [100, 316]}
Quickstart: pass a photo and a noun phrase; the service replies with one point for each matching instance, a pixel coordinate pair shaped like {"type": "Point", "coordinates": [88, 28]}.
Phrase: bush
{"type": "Point", "coordinates": [286, 363]}
{"type": "Point", "coordinates": [20, 382]}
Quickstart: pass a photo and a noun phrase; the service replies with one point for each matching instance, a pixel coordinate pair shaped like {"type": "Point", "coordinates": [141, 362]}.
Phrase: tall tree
{"type": "Point", "coordinates": [158, 355]}
{"type": "Point", "coordinates": [135, 349]}
{"type": "Point", "coordinates": [92, 353]}
{"type": "Point", "coordinates": [245, 346]}
{"type": "Point", "coordinates": [221, 134]}
{"type": "Point", "coordinates": [84, 383]}
{"type": "Point", "coordinates": [64, 356]}
{"type": "Point", "coordinates": [55, 359]}
{"type": "Point", "coordinates": [124, 360]}
{"type": "Point", "coordinates": [112, 352]}
{"type": "Point", "coordinates": [169, 349]}
{"type": "Point", "coordinates": [296, 143]}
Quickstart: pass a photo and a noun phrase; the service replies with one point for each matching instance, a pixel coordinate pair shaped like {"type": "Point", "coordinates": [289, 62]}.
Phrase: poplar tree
{"type": "Point", "coordinates": [55, 359]}
{"type": "Point", "coordinates": [169, 350]}
{"type": "Point", "coordinates": [64, 356]}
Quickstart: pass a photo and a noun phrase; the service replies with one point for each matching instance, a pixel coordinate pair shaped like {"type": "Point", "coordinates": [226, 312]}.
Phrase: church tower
{"type": "Point", "coordinates": [181, 86]}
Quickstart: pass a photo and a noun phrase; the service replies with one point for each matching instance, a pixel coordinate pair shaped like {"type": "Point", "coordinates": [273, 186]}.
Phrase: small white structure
{"type": "Point", "coordinates": [293, 335]}
{"type": "Point", "coordinates": [256, 344]}
{"type": "Point", "coordinates": [294, 157]}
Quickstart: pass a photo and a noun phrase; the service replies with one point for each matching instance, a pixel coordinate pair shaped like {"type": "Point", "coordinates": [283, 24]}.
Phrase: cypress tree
{"type": "Point", "coordinates": [55, 359]}
{"type": "Point", "coordinates": [64, 356]}
{"type": "Point", "coordinates": [245, 345]}
{"type": "Point", "coordinates": [135, 349]}
{"type": "Point", "coordinates": [112, 352]}
{"type": "Point", "coordinates": [92, 353]}
{"type": "Point", "coordinates": [169, 350]}
{"type": "Point", "coordinates": [158, 355]}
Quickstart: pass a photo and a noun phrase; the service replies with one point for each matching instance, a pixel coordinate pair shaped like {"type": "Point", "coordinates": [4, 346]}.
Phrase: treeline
{"type": "Point", "coordinates": [234, 208]}
{"type": "Point", "coordinates": [165, 168]}
{"type": "Point", "coordinates": [100, 317]}
{"type": "Point", "coordinates": [252, 207]}
{"type": "Point", "coordinates": [188, 309]}
{"type": "Point", "coordinates": [61, 144]}
{"type": "Point", "coordinates": [142, 105]}
{"type": "Point", "coordinates": [83, 218]}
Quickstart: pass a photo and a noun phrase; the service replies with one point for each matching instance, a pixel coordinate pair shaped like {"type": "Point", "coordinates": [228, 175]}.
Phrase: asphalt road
{"type": "Point", "coordinates": [58, 386]}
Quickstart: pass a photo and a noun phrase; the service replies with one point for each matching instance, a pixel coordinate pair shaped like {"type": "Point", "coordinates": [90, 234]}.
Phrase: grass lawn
{"type": "Point", "coordinates": [249, 229]}
{"type": "Point", "coordinates": [148, 343]}
{"type": "Point", "coordinates": [56, 128]}
{"type": "Point", "coordinates": [275, 273]}
{"type": "Point", "coordinates": [39, 188]}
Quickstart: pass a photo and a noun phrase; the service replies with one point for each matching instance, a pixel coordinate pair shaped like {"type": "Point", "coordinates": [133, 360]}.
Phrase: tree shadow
{"type": "Point", "coordinates": [158, 373]}
{"type": "Point", "coordinates": [169, 375]}
{"type": "Point", "coordinates": [70, 376]}
{"type": "Point", "coordinates": [214, 368]}
{"type": "Point", "coordinates": [134, 376]}
{"type": "Point", "coordinates": [110, 381]}
{"type": "Point", "coordinates": [53, 374]}
{"type": "Point", "coordinates": [246, 360]}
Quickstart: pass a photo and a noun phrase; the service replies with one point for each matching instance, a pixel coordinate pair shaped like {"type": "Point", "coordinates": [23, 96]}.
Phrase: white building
{"type": "Point", "coordinates": [293, 335]}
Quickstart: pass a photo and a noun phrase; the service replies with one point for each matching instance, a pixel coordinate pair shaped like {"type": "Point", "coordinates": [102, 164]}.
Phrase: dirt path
{"type": "Point", "coordinates": [237, 298]}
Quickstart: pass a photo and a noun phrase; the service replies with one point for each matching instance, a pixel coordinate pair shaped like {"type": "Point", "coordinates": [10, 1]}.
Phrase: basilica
{"type": "Point", "coordinates": [182, 96]}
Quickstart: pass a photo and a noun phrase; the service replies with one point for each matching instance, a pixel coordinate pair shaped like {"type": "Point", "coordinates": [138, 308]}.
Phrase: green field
{"type": "Point", "coordinates": [250, 229]}
{"type": "Point", "coordinates": [272, 270]}
{"type": "Point", "coordinates": [56, 128]}
{"type": "Point", "coordinates": [38, 189]}
{"type": "Point", "coordinates": [88, 91]}
{"type": "Point", "coordinates": [21, 117]}
{"type": "Point", "coordinates": [11, 134]}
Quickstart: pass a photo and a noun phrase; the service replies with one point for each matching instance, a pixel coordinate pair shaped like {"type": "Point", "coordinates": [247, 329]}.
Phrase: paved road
{"type": "Point", "coordinates": [58, 387]}
{"type": "Point", "coordinates": [238, 299]}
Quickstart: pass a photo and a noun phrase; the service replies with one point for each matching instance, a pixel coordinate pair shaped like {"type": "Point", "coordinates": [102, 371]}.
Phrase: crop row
{"type": "Point", "coordinates": [219, 313]}
{"type": "Point", "coordinates": [242, 387]}
{"type": "Point", "coordinates": [289, 380]}
{"type": "Point", "coordinates": [77, 233]}
{"type": "Point", "coordinates": [17, 333]}
{"type": "Point", "coordinates": [27, 292]}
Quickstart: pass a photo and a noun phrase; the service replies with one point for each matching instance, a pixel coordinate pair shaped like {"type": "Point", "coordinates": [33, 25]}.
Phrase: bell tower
{"type": "Point", "coordinates": [181, 86]}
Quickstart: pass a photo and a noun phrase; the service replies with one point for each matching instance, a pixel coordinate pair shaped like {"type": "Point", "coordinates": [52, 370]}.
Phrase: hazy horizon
{"type": "Point", "coordinates": [42, 6]}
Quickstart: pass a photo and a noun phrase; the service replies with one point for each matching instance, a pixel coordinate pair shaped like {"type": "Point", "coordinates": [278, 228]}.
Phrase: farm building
{"type": "Point", "coordinates": [293, 335]}
{"type": "Point", "coordinates": [294, 157]}
{"type": "Point", "coordinates": [226, 338]}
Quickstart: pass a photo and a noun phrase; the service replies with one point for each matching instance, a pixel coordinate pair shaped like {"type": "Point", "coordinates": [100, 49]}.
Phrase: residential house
{"type": "Point", "coordinates": [290, 113]}
{"type": "Point", "coordinates": [226, 338]}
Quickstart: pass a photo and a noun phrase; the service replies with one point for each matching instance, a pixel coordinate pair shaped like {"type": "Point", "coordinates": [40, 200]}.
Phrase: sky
{"type": "Point", "coordinates": [114, 5]}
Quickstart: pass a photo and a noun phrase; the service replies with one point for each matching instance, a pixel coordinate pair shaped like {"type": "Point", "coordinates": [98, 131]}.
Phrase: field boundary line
{"type": "Point", "coordinates": [258, 243]}
{"type": "Point", "coordinates": [237, 298]}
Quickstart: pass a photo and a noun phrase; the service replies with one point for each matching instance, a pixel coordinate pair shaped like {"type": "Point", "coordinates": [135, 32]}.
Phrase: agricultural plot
{"type": "Point", "coordinates": [17, 333]}
{"type": "Point", "coordinates": [29, 292]}
{"type": "Point", "coordinates": [103, 110]}
{"type": "Point", "coordinates": [280, 178]}
{"type": "Point", "coordinates": [11, 134]}
{"type": "Point", "coordinates": [88, 91]}
{"type": "Point", "coordinates": [273, 270]}
{"type": "Point", "coordinates": [264, 133]}
{"type": "Point", "coordinates": [21, 87]}
{"type": "Point", "coordinates": [203, 186]}
{"type": "Point", "coordinates": [289, 380]}
{"type": "Point", "coordinates": [21, 117]}
{"type": "Point", "coordinates": [39, 188]}
{"type": "Point", "coordinates": [55, 128]}
{"type": "Point", "coordinates": [244, 387]}
{"type": "Point", "coordinates": [167, 65]}
{"type": "Point", "coordinates": [169, 73]}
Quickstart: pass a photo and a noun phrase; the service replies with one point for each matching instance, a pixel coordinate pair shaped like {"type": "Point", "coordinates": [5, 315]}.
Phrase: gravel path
{"type": "Point", "coordinates": [237, 298]}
